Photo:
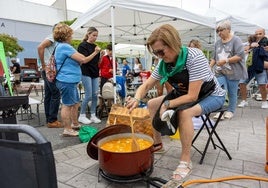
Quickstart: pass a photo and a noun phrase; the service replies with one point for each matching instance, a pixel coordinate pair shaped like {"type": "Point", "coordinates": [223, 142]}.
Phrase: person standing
{"type": "Point", "coordinates": [229, 64]}
{"type": "Point", "coordinates": [15, 70]}
{"type": "Point", "coordinates": [52, 93]}
{"type": "Point", "coordinates": [106, 66]}
{"type": "Point", "coordinates": [260, 54]}
{"type": "Point", "coordinates": [68, 62]}
{"type": "Point", "coordinates": [90, 75]}
{"type": "Point", "coordinates": [137, 67]}
{"type": "Point", "coordinates": [260, 78]}
{"type": "Point", "coordinates": [125, 68]}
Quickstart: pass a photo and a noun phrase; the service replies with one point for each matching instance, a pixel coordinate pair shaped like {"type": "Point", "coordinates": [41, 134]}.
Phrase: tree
{"type": "Point", "coordinates": [11, 46]}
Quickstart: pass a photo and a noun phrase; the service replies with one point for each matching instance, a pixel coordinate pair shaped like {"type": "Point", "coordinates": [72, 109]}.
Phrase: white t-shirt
{"type": "Point", "coordinates": [49, 50]}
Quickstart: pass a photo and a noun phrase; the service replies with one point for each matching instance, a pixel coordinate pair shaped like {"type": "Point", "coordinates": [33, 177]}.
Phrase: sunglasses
{"type": "Point", "coordinates": [220, 30]}
{"type": "Point", "coordinates": [158, 53]}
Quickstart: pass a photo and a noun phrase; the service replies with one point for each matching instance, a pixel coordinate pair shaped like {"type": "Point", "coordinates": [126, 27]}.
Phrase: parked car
{"type": "Point", "coordinates": [29, 75]}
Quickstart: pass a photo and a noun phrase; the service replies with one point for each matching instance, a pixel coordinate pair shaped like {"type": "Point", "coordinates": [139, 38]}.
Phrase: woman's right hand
{"type": "Point", "coordinates": [131, 103]}
{"type": "Point", "coordinates": [97, 49]}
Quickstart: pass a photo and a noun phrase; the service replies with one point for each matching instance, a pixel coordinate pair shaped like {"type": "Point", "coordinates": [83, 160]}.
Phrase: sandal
{"type": "Point", "coordinates": [76, 126]}
{"type": "Point", "coordinates": [183, 171]}
{"type": "Point", "coordinates": [70, 132]}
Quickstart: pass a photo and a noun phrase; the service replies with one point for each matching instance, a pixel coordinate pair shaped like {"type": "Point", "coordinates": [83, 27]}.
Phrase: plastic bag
{"type": "Point", "coordinates": [86, 133]}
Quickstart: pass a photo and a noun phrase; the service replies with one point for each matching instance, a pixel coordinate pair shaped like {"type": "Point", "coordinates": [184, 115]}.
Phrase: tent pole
{"type": "Point", "coordinates": [113, 47]}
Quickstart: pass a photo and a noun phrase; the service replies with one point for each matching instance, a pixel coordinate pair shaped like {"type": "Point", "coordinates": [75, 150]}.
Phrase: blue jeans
{"type": "Point", "coordinates": [51, 100]}
{"type": "Point", "coordinates": [91, 87]}
{"type": "Point", "coordinates": [231, 86]}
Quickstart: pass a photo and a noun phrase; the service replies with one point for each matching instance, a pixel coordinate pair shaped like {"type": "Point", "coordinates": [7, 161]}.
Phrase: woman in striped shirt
{"type": "Point", "coordinates": [196, 91]}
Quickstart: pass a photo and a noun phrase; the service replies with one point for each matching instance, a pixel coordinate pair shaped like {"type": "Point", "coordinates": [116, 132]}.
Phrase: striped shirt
{"type": "Point", "coordinates": [198, 69]}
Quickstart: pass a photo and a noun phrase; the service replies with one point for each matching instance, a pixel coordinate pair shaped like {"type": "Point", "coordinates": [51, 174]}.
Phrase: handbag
{"type": "Point", "coordinates": [51, 69]}
{"type": "Point", "coordinates": [226, 69]}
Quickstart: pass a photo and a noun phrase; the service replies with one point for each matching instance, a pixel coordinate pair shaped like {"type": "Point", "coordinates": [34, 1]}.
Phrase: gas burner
{"type": "Point", "coordinates": [126, 179]}
{"type": "Point", "coordinates": [145, 176]}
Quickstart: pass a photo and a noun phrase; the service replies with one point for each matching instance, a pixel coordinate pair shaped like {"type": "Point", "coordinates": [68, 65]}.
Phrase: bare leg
{"type": "Point", "coordinates": [243, 91]}
{"type": "Point", "coordinates": [66, 116]}
{"type": "Point", "coordinates": [263, 92]}
{"type": "Point", "coordinates": [74, 114]}
{"type": "Point", "coordinates": [153, 106]}
{"type": "Point", "coordinates": [186, 129]}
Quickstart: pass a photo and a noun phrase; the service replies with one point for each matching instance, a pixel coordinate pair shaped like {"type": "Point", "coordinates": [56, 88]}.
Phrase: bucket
{"type": "Point", "coordinates": [176, 136]}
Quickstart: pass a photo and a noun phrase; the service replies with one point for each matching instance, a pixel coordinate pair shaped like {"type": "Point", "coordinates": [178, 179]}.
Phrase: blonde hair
{"type": "Point", "coordinates": [62, 32]}
{"type": "Point", "coordinates": [196, 44]}
{"type": "Point", "coordinates": [168, 35]}
{"type": "Point", "coordinates": [89, 31]}
{"type": "Point", "coordinates": [225, 24]}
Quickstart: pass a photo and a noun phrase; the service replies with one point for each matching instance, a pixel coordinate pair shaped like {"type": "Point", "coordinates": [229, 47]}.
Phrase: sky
{"type": "Point", "coordinates": [255, 12]}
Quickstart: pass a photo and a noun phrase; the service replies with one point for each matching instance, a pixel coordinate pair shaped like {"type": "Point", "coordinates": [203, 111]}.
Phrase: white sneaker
{"type": "Point", "coordinates": [84, 120]}
{"type": "Point", "coordinates": [94, 119]}
{"type": "Point", "coordinates": [264, 105]}
{"type": "Point", "coordinates": [228, 115]}
{"type": "Point", "coordinates": [217, 116]}
{"type": "Point", "coordinates": [242, 104]}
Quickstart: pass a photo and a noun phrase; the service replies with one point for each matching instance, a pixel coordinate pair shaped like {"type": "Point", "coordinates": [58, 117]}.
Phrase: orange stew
{"type": "Point", "coordinates": [123, 145]}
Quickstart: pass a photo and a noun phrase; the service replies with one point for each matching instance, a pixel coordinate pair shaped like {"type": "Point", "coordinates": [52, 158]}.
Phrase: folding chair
{"type": "Point", "coordinates": [26, 164]}
{"type": "Point", "coordinates": [211, 130]}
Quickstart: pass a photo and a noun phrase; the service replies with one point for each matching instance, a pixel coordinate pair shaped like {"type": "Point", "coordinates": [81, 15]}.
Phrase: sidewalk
{"type": "Point", "coordinates": [244, 137]}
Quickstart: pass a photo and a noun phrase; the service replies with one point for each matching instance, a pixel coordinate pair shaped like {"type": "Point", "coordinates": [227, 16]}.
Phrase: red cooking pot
{"type": "Point", "coordinates": [121, 164]}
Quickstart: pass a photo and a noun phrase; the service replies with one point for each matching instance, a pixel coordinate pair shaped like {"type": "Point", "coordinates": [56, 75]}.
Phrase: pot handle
{"type": "Point", "coordinates": [93, 144]}
{"type": "Point", "coordinates": [157, 147]}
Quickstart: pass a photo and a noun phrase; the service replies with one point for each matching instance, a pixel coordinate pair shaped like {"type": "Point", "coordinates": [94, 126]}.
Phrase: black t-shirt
{"type": "Point", "coordinates": [17, 71]}
{"type": "Point", "coordinates": [90, 68]}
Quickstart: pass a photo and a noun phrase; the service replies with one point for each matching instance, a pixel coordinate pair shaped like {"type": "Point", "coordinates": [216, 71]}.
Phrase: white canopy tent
{"type": "Point", "coordinates": [239, 26]}
{"type": "Point", "coordinates": [132, 21]}
{"type": "Point", "coordinates": [126, 50]}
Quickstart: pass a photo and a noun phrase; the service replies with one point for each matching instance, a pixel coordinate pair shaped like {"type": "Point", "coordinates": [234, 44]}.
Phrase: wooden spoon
{"type": "Point", "coordinates": [134, 145]}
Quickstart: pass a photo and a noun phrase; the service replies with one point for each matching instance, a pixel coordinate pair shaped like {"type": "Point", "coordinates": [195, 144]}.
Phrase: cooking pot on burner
{"type": "Point", "coordinates": [121, 164]}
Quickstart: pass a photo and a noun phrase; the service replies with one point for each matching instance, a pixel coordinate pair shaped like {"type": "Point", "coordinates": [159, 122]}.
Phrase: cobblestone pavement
{"type": "Point", "coordinates": [244, 136]}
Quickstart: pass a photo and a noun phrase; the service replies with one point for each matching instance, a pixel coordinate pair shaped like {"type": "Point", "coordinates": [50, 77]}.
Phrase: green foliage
{"type": "Point", "coordinates": [102, 45]}
{"type": "Point", "coordinates": [75, 43]}
{"type": "Point", "coordinates": [69, 22]}
{"type": "Point", "coordinates": [11, 46]}
{"type": "Point", "coordinates": [208, 54]}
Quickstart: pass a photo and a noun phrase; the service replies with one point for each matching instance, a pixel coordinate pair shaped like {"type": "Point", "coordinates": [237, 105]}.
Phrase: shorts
{"type": "Point", "coordinates": [211, 103]}
{"type": "Point", "coordinates": [261, 78]}
{"type": "Point", "coordinates": [69, 93]}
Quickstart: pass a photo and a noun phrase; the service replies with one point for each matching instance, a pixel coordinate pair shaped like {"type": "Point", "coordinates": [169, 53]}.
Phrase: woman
{"type": "Point", "coordinates": [137, 67]}
{"type": "Point", "coordinates": [229, 64]}
{"type": "Point", "coordinates": [195, 44]}
{"type": "Point", "coordinates": [90, 75]}
{"type": "Point", "coordinates": [68, 62]}
{"type": "Point", "coordinates": [187, 70]}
